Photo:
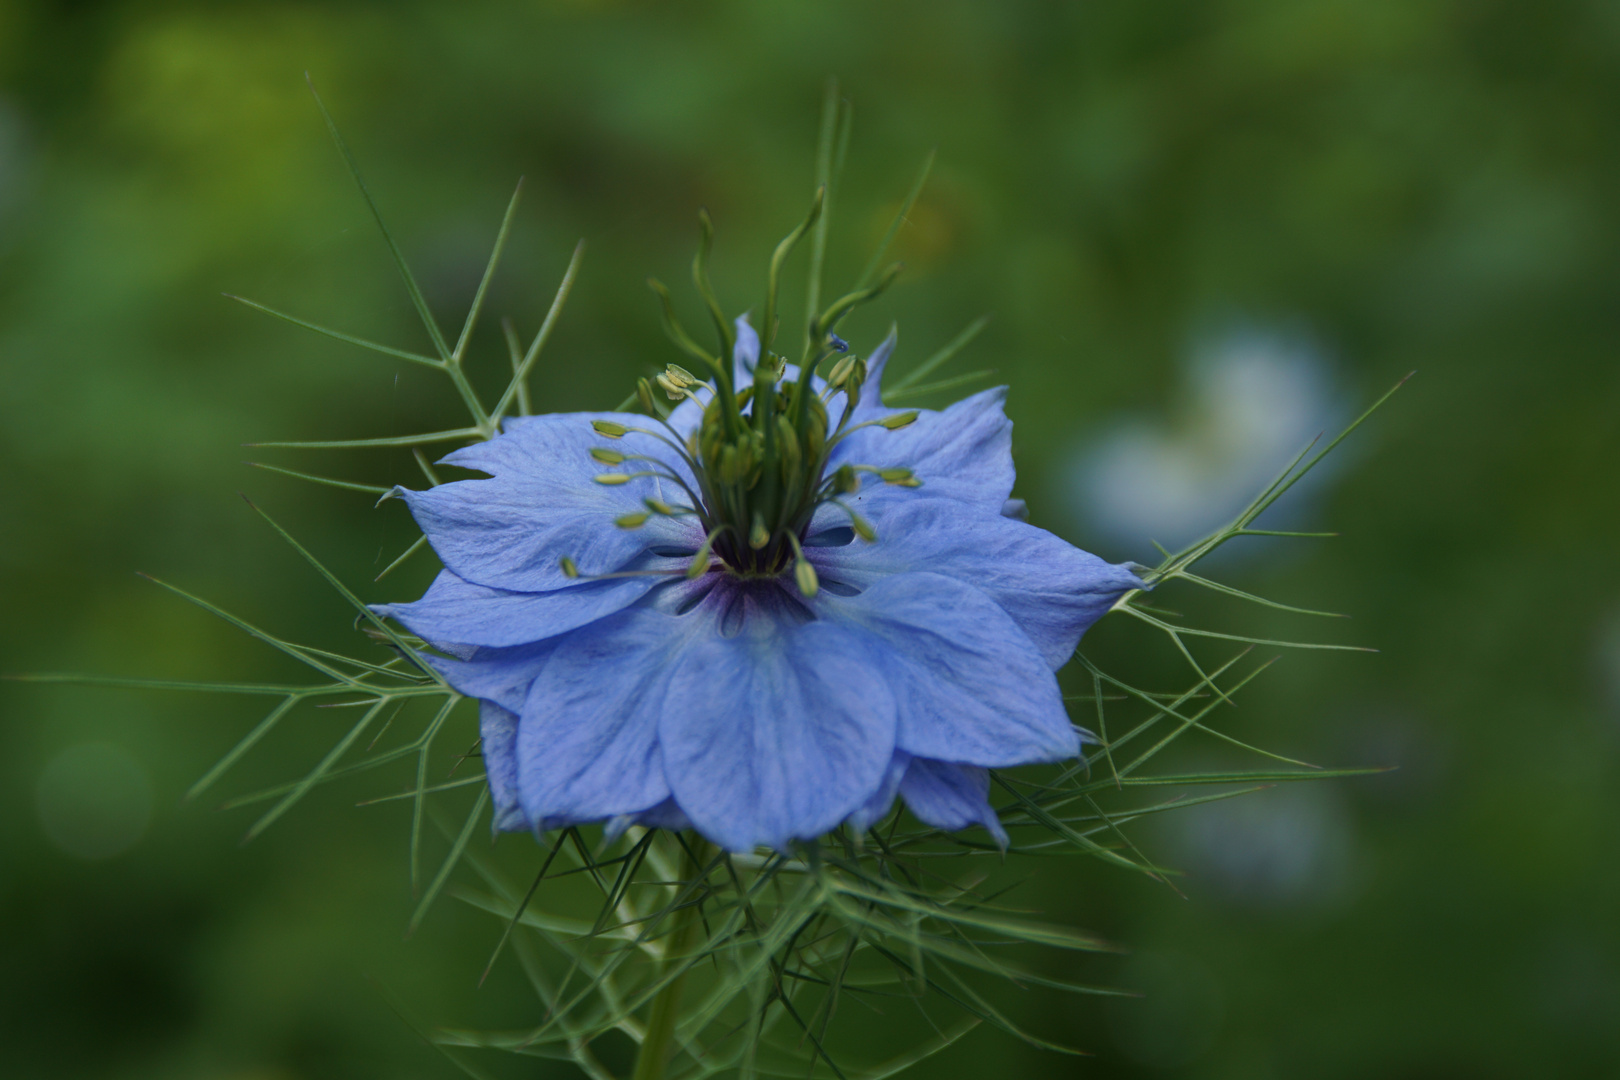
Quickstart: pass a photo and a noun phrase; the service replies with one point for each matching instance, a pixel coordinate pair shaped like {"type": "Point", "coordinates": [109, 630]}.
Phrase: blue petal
{"type": "Point", "coordinates": [666, 815]}
{"type": "Point", "coordinates": [541, 504]}
{"type": "Point", "coordinates": [875, 808]}
{"type": "Point", "coordinates": [949, 796]}
{"type": "Point", "coordinates": [502, 676]}
{"type": "Point", "coordinates": [1053, 590]}
{"type": "Point", "coordinates": [963, 453]}
{"type": "Point", "coordinates": [587, 745]}
{"type": "Point", "coordinates": [779, 732]}
{"type": "Point", "coordinates": [458, 611]}
{"type": "Point", "coordinates": [969, 685]}
{"type": "Point", "coordinates": [498, 736]}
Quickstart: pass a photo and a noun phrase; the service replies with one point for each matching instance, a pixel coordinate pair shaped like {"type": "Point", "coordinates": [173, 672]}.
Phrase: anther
{"type": "Point", "coordinates": [644, 396]}
{"type": "Point", "coordinates": [758, 536]}
{"type": "Point", "coordinates": [569, 568]}
{"type": "Point", "coordinates": [662, 508]}
{"type": "Point", "coordinates": [845, 482]}
{"type": "Point", "coordinates": [631, 521]}
{"type": "Point", "coordinates": [609, 428]}
{"type": "Point", "coordinates": [898, 420]}
{"type": "Point", "coordinates": [804, 575]}
{"type": "Point", "coordinates": [840, 372]}
{"type": "Point", "coordinates": [606, 456]}
{"type": "Point", "coordinates": [613, 479]}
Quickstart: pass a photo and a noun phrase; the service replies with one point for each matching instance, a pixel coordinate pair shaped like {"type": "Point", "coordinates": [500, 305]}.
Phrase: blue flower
{"type": "Point", "coordinates": [758, 630]}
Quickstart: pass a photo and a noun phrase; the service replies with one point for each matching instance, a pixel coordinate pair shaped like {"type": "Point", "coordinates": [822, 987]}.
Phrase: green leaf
{"type": "Point", "coordinates": [372, 346]}
{"type": "Point", "coordinates": [951, 348]}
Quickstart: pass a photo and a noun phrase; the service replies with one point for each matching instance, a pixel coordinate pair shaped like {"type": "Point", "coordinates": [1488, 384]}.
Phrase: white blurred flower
{"type": "Point", "coordinates": [1254, 400]}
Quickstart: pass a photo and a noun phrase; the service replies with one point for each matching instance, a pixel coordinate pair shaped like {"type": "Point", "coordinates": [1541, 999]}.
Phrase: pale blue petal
{"type": "Point", "coordinates": [877, 807]}
{"type": "Point", "coordinates": [1053, 590]}
{"type": "Point", "coordinates": [963, 453]}
{"type": "Point", "coordinates": [499, 675]}
{"type": "Point", "coordinates": [458, 611]}
{"type": "Point", "coordinates": [588, 741]}
{"type": "Point", "coordinates": [542, 503]}
{"type": "Point", "coordinates": [969, 685]}
{"type": "Point", "coordinates": [497, 730]}
{"type": "Point", "coordinates": [779, 732]}
{"type": "Point", "coordinates": [949, 796]}
{"type": "Point", "coordinates": [666, 815]}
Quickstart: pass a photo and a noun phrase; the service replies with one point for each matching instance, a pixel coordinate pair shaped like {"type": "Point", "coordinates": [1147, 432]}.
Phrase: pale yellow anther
{"type": "Point", "coordinates": [606, 456]}
{"type": "Point", "coordinates": [613, 479]}
{"type": "Point", "coordinates": [804, 575]}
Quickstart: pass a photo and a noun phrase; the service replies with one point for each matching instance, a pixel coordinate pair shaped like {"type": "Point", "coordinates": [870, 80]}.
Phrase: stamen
{"type": "Point", "coordinates": [664, 509]}
{"type": "Point", "coordinates": [862, 527]}
{"type": "Point", "coordinates": [606, 456]}
{"type": "Point", "coordinates": [700, 562]}
{"type": "Point", "coordinates": [804, 575]}
{"type": "Point", "coordinates": [570, 569]}
{"type": "Point", "coordinates": [609, 428]}
{"type": "Point", "coordinates": [632, 521]}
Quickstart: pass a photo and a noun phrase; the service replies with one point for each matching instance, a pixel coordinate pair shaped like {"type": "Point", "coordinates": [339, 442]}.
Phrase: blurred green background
{"type": "Point", "coordinates": [1397, 184]}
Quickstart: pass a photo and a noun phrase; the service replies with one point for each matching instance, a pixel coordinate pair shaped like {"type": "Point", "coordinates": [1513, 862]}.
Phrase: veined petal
{"type": "Point", "coordinates": [499, 675]}
{"type": "Point", "coordinates": [949, 796]}
{"type": "Point", "coordinates": [873, 810]}
{"type": "Point", "coordinates": [458, 611]}
{"type": "Point", "coordinates": [779, 732]}
{"type": "Point", "coordinates": [541, 504]}
{"type": "Point", "coordinates": [587, 745]}
{"type": "Point", "coordinates": [969, 685]}
{"type": "Point", "coordinates": [1052, 589]}
{"type": "Point", "coordinates": [497, 731]}
{"type": "Point", "coordinates": [963, 453]}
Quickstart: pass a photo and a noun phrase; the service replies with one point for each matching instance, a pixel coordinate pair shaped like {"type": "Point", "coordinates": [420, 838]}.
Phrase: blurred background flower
{"type": "Point", "coordinates": [1252, 399]}
{"type": "Point", "coordinates": [1422, 183]}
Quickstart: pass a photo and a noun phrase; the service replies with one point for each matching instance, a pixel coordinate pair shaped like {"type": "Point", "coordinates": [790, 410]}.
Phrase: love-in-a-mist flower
{"type": "Point", "coordinates": [763, 618]}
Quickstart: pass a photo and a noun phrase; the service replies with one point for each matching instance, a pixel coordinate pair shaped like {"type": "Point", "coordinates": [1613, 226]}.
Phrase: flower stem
{"type": "Point", "coordinates": [657, 1043]}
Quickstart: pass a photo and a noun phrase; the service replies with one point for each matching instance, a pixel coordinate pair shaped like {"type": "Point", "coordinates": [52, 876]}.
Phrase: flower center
{"type": "Point", "coordinates": [759, 458]}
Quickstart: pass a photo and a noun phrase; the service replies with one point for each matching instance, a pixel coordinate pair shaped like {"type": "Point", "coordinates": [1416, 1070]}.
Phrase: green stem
{"type": "Point", "coordinates": [658, 1042]}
